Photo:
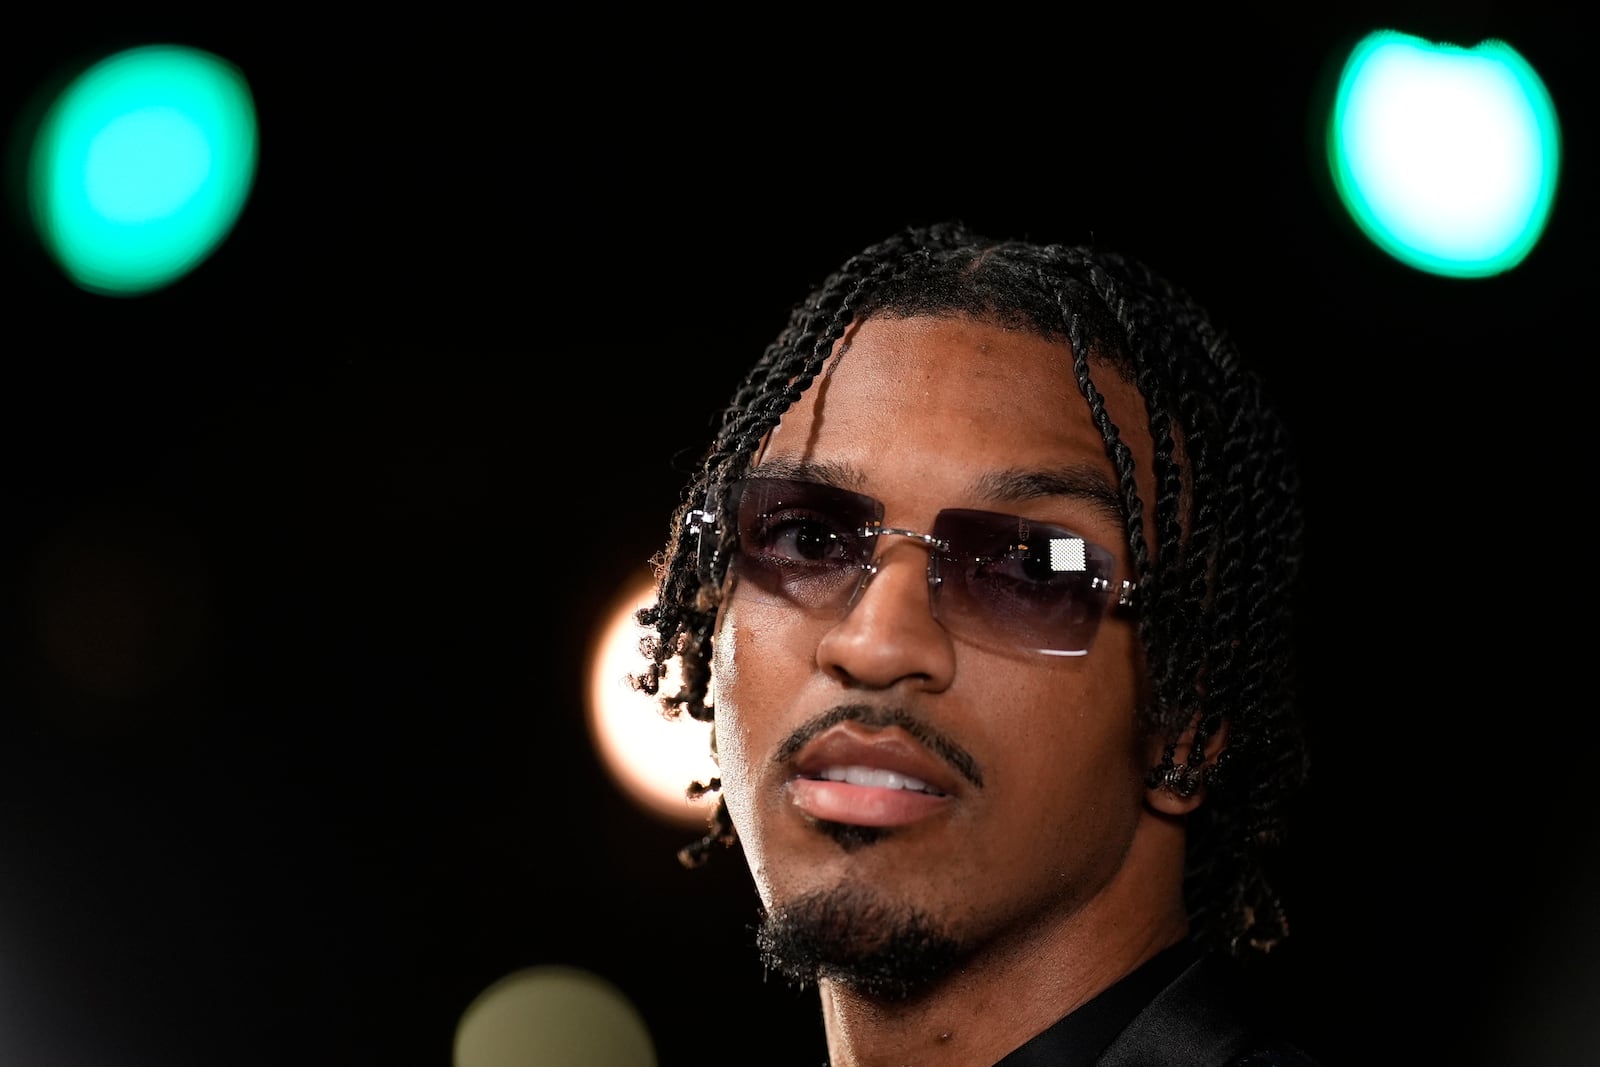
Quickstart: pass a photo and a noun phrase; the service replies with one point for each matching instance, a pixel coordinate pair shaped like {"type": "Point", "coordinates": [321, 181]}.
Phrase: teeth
{"type": "Point", "coordinates": [875, 777]}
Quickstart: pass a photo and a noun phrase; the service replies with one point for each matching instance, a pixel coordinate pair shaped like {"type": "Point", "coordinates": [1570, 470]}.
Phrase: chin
{"type": "Point", "coordinates": [851, 935]}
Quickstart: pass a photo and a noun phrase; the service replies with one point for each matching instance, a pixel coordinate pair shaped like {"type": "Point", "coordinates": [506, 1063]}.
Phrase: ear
{"type": "Point", "coordinates": [1181, 789]}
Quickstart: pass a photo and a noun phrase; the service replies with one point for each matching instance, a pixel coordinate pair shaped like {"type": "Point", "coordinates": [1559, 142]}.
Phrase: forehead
{"type": "Point", "coordinates": [931, 406]}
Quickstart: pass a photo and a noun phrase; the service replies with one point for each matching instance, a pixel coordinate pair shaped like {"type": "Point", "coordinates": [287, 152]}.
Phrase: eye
{"type": "Point", "coordinates": [1023, 568]}
{"type": "Point", "coordinates": [803, 537]}
{"type": "Point", "coordinates": [797, 552]}
{"type": "Point", "coordinates": [1032, 564]}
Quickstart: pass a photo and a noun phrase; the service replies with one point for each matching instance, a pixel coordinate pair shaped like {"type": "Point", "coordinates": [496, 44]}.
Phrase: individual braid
{"type": "Point", "coordinates": [1214, 590]}
{"type": "Point", "coordinates": [1246, 534]}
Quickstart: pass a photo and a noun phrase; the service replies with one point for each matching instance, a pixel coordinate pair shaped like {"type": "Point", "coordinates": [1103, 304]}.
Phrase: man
{"type": "Point", "coordinates": [985, 583]}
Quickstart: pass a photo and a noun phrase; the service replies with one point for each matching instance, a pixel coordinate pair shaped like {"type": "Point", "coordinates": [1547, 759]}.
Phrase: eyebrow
{"type": "Point", "coordinates": [838, 475]}
{"type": "Point", "coordinates": [1078, 481]}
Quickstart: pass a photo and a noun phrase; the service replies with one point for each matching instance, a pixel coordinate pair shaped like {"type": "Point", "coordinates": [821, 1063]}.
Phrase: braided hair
{"type": "Point", "coordinates": [1216, 591]}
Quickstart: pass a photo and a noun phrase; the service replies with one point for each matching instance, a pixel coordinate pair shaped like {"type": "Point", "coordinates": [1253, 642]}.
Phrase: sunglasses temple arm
{"type": "Point", "coordinates": [704, 522]}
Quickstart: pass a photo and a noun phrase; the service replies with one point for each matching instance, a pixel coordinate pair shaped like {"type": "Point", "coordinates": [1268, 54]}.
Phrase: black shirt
{"type": "Point", "coordinates": [1178, 1009]}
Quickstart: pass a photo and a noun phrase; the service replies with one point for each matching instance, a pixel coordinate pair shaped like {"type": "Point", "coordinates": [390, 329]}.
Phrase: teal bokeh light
{"type": "Point", "coordinates": [1446, 157]}
{"type": "Point", "coordinates": [142, 166]}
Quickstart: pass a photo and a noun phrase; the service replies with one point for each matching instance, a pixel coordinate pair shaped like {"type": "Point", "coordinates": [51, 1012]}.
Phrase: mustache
{"type": "Point", "coordinates": [877, 717]}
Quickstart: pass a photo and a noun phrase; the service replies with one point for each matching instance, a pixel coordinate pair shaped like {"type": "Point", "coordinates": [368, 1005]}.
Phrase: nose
{"type": "Point", "coordinates": [888, 635]}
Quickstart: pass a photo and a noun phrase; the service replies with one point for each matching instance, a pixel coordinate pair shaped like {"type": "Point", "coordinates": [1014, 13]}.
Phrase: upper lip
{"type": "Point", "coordinates": [851, 744]}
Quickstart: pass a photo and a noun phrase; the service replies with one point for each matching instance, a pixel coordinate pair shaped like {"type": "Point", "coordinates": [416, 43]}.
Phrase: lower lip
{"type": "Point", "coordinates": [862, 805]}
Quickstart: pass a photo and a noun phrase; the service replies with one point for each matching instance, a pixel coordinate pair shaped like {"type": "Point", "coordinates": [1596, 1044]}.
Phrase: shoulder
{"type": "Point", "coordinates": [1237, 1003]}
{"type": "Point", "coordinates": [1207, 1016]}
{"type": "Point", "coordinates": [1241, 1000]}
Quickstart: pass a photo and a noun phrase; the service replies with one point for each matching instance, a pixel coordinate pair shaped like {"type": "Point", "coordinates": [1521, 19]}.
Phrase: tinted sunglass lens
{"type": "Point", "coordinates": [801, 541]}
{"type": "Point", "coordinates": [1032, 584]}
{"type": "Point", "coordinates": [997, 578]}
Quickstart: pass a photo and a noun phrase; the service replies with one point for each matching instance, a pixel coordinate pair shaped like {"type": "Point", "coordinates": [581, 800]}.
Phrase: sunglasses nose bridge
{"type": "Point", "coordinates": [871, 536]}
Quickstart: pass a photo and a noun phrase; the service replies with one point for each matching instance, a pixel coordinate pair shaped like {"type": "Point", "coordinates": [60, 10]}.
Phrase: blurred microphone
{"type": "Point", "coordinates": [553, 1016]}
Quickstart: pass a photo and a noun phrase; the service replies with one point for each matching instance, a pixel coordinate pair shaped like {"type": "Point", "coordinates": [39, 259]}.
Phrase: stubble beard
{"type": "Point", "coordinates": [851, 935]}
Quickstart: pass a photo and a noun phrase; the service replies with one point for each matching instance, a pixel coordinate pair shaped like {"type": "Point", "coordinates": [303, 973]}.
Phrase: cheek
{"type": "Point", "coordinates": [731, 741]}
{"type": "Point", "coordinates": [748, 705]}
{"type": "Point", "coordinates": [1079, 756]}
{"type": "Point", "coordinates": [749, 633]}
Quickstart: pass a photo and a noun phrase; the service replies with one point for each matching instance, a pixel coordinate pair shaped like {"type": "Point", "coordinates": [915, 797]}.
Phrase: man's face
{"type": "Point", "coordinates": [1033, 763]}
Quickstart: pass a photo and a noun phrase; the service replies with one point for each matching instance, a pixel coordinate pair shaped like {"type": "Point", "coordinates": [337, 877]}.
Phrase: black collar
{"type": "Point", "coordinates": [1179, 1009]}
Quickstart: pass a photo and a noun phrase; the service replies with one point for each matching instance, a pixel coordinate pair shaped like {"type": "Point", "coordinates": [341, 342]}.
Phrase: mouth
{"type": "Point", "coordinates": [843, 802]}
{"type": "Point", "coordinates": [878, 778]}
{"type": "Point", "coordinates": [856, 774]}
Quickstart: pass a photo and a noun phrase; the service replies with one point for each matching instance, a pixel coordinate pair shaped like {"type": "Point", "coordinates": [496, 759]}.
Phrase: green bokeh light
{"type": "Point", "coordinates": [142, 166]}
{"type": "Point", "coordinates": [1446, 157]}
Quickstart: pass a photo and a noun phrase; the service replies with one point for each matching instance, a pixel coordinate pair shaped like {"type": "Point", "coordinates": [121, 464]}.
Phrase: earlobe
{"type": "Point", "coordinates": [1174, 786]}
{"type": "Point", "coordinates": [1177, 790]}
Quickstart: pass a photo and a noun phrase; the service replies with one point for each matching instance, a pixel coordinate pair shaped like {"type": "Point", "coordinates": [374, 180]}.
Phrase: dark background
{"type": "Point", "coordinates": [300, 557]}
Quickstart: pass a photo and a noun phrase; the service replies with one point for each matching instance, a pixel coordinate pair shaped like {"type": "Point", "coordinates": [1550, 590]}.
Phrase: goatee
{"type": "Point", "coordinates": [852, 936]}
